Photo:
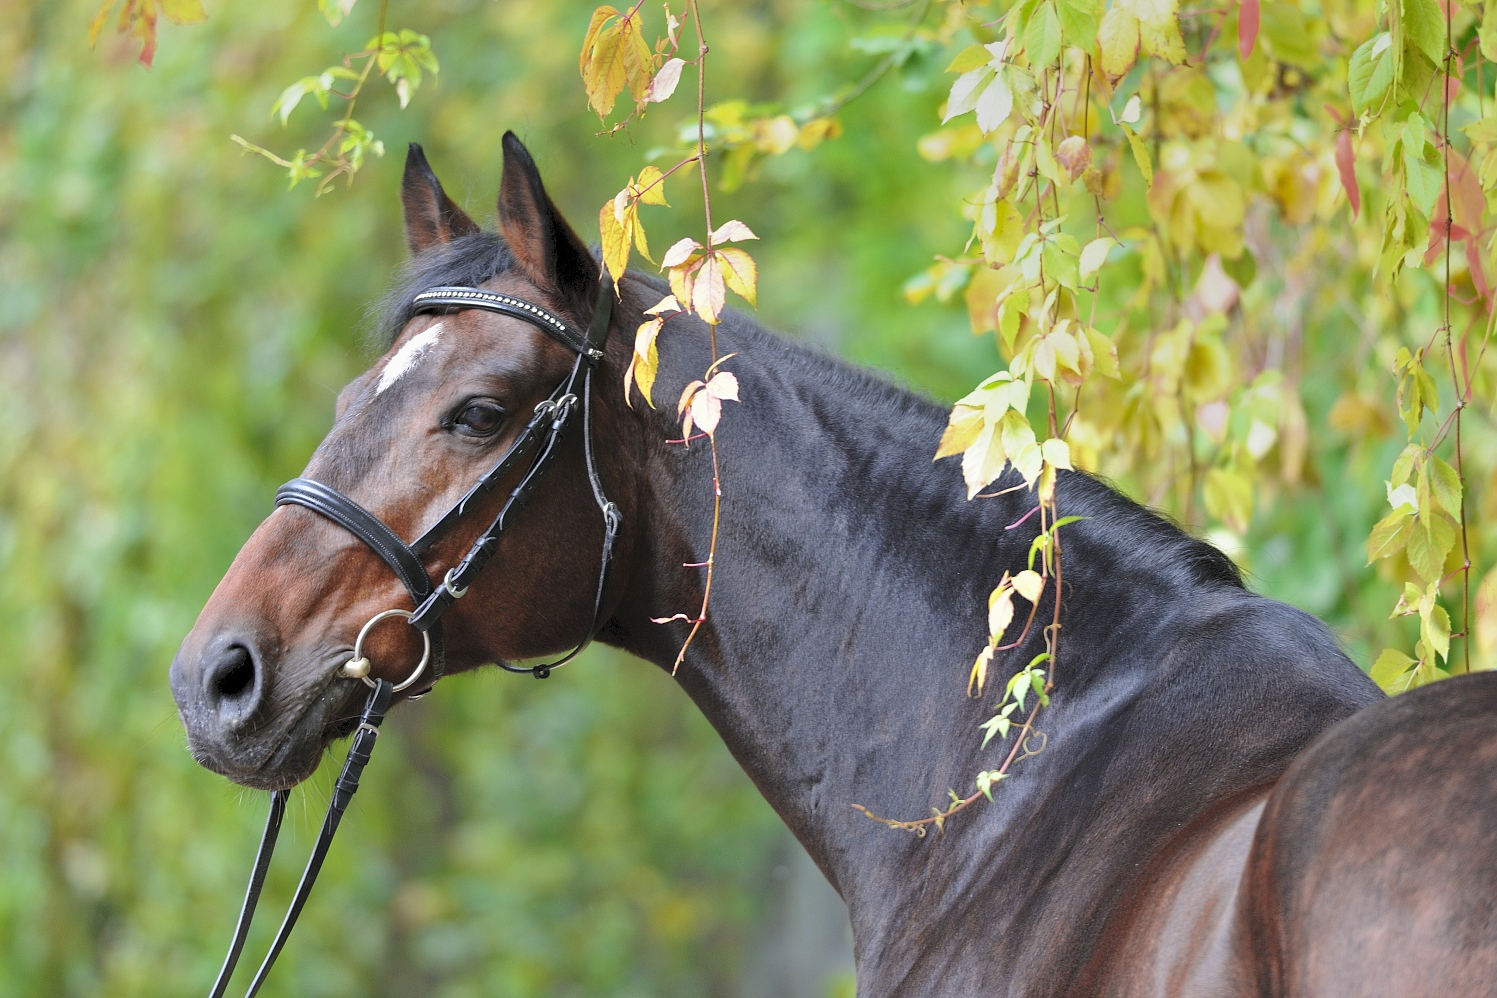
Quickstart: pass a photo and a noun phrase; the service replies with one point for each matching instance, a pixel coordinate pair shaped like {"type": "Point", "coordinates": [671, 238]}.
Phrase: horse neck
{"type": "Point", "coordinates": [848, 594]}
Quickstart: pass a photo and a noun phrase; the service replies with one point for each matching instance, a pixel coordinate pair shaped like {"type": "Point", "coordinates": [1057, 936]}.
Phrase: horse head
{"type": "Point", "coordinates": [462, 396]}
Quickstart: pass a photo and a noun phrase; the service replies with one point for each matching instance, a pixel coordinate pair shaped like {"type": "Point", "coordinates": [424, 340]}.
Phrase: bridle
{"type": "Point", "coordinates": [540, 441]}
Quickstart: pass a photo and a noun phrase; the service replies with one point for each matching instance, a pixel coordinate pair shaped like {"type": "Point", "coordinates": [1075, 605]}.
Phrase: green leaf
{"type": "Point", "coordinates": [1094, 255]}
{"type": "Point", "coordinates": [1042, 37]}
{"type": "Point", "coordinates": [1079, 21]}
{"type": "Point", "coordinates": [1370, 74]}
{"type": "Point", "coordinates": [1104, 355]}
{"type": "Point", "coordinates": [1428, 548]}
{"type": "Point", "coordinates": [1060, 257]}
{"type": "Point", "coordinates": [1424, 25]}
{"type": "Point", "coordinates": [1434, 630]}
{"type": "Point", "coordinates": [970, 58]}
{"type": "Point", "coordinates": [1390, 535]}
{"type": "Point", "coordinates": [1391, 670]}
{"type": "Point", "coordinates": [1445, 484]}
{"type": "Point", "coordinates": [1140, 155]}
{"type": "Point", "coordinates": [1488, 33]}
{"type": "Point", "coordinates": [1421, 177]}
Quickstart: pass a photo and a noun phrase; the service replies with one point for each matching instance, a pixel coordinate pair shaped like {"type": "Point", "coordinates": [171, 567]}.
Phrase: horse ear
{"type": "Point", "coordinates": [543, 244]}
{"type": "Point", "coordinates": [430, 215]}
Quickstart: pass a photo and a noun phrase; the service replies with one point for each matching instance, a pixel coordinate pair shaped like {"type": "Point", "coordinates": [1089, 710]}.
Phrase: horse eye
{"type": "Point", "coordinates": [478, 419]}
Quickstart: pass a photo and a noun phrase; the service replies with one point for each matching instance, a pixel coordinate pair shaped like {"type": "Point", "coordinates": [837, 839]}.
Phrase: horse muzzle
{"type": "Point", "coordinates": [255, 728]}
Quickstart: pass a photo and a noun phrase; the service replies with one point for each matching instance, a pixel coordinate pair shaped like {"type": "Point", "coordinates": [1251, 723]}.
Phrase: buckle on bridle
{"type": "Point", "coordinates": [456, 591]}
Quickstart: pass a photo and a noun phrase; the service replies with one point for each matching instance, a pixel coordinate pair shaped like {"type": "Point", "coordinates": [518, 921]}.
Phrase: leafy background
{"type": "Point", "coordinates": [174, 326]}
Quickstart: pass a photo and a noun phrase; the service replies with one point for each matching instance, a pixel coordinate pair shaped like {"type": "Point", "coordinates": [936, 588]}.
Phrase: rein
{"type": "Point", "coordinates": [540, 440]}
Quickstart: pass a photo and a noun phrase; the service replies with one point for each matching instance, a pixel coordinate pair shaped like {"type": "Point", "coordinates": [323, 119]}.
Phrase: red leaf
{"type": "Point", "coordinates": [1478, 275]}
{"type": "Point", "coordinates": [1470, 202]}
{"type": "Point", "coordinates": [1346, 165]}
{"type": "Point", "coordinates": [1247, 28]}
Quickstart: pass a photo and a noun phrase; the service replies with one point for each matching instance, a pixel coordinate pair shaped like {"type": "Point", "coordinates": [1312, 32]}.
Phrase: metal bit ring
{"type": "Point", "coordinates": [358, 667]}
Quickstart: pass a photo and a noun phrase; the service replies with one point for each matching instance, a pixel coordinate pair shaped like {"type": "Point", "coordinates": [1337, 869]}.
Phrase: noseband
{"type": "Point", "coordinates": [540, 441]}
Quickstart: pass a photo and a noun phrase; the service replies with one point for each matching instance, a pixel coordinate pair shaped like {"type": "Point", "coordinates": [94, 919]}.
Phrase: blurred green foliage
{"type": "Point", "coordinates": [174, 326]}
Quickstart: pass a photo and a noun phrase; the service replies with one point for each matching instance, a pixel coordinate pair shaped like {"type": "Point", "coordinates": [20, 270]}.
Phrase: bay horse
{"type": "Point", "coordinates": [1226, 805]}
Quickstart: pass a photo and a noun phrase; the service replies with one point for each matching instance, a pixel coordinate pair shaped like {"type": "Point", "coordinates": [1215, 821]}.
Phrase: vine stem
{"type": "Point", "coordinates": [717, 490]}
{"type": "Point", "coordinates": [353, 98]}
{"type": "Point", "coordinates": [1455, 377]}
{"type": "Point", "coordinates": [919, 825]}
{"type": "Point", "coordinates": [717, 505]}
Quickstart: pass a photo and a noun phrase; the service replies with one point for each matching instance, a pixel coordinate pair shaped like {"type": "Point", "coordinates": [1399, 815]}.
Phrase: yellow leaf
{"type": "Point", "coordinates": [979, 674]}
{"type": "Point", "coordinates": [1118, 39]}
{"type": "Point", "coordinates": [639, 233]}
{"type": "Point", "coordinates": [614, 233]}
{"type": "Point", "coordinates": [1140, 155]}
{"type": "Point", "coordinates": [607, 74]}
{"type": "Point", "coordinates": [740, 273]}
{"type": "Point", "coordinates": [1158, 31]}
{"type": "Point", "coordinates": [590, 40]}
{"type": "Point", "coordinates": [961, 431]}
{"type": "Point", "coordinates": [184, 11]}
{"type": "Point", "coordinates": [1029, 583]}
{"type": "Point", "coordinates": [1000, 610]}
{"type": "Point", "coordinates": [1104, 354]}
{"type": "Point", "coordinates": [1057, 453]}
{"type": "Point", "coordinates": [982, 295]}
{"type": "Point", "coordinates": [645, 363]}
{"type": "Point", "coordinates": [97, 24]}
{"type": "Point", "coordinates": [639, 58]}
{"type": "Point", "coordinates": [682, 280]}
{"type": "Point", "coordinates": [815, 131]}
{"type": "Point", "coordinates": [651, 186]}
{"type": "Point", "coordinates": [983, 459]}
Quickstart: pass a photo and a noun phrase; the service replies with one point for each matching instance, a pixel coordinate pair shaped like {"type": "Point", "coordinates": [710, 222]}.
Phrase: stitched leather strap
{"type": "Point", "coordinates": [362, 524]}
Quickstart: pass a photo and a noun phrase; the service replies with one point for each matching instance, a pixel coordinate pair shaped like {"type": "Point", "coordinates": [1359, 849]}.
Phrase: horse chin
{"type": "Point", "coordinates": [329, 717]}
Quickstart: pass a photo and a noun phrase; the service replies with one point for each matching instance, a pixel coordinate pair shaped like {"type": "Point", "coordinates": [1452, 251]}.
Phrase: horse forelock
{"type": "Point", "coordinates": [468, 261]}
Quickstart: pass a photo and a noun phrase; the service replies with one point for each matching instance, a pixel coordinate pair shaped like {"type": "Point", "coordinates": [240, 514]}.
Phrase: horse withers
{"type": "Point", "coordinates": [1226, 805]}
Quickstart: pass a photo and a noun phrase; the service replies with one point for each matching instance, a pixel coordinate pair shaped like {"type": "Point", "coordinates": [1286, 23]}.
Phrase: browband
{"type": "Point", "coordinates": [589, 345]}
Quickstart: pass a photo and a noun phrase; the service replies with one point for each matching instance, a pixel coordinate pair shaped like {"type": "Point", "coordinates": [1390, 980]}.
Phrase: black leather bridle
{"type": "Point", "coordinates": [540, 441]}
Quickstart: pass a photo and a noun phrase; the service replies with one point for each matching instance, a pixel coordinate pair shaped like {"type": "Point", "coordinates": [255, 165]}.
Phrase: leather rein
{"type": "Point", "coordinates": [540, 441]}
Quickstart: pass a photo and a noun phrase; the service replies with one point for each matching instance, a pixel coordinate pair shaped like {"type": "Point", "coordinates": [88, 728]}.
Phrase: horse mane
{"type": "Point", "coordinates": [475, 259]}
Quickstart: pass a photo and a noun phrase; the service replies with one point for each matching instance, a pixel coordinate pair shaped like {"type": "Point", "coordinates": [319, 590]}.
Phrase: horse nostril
{"type": "Point", "coordinates": [230, 682]}
{"type": "Point", "coordinates": [233, 681]}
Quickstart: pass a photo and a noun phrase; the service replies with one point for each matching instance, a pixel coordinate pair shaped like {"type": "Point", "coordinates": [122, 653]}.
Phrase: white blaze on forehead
{"type": "Point", "coordinates": [408, 356]}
